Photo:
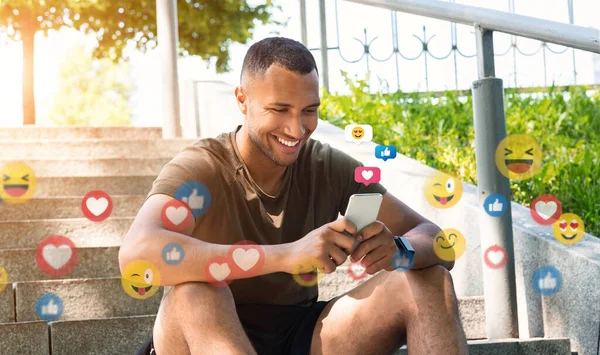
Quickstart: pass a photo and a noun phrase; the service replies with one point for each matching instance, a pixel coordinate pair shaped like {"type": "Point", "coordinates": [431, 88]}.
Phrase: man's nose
{"type": "Point", "coordinates": [296, 127]}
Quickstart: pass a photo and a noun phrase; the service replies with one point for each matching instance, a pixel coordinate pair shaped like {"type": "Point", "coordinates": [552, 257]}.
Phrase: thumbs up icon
{"type": "Point", "coordinates": [194, 201]}
{"type": "Point", "coordinates": [547, 282]}
{"type": "Point", "coordinates": [50, 309]}
{"type": "Point", "coordinates": [174, 255]}
{"type": "Point", "coordinates": [496, 206]}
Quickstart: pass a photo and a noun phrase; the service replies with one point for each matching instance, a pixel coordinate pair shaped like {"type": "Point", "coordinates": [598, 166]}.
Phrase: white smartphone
{"type": "Point", "coordinates": [363, 209]}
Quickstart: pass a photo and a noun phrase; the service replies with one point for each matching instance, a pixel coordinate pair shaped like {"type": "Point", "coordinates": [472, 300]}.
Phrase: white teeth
{"type": "Point", "coordinates": [288, 143]}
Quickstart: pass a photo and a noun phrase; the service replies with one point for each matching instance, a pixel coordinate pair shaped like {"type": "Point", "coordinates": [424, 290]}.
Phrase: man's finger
{"type": "Point", "coordinates": [371, 230]}
{"type": "Point", "coordinates": [366, 247]}
{"type": "Point", "coordinates": [338, 256]}
{"type": "Point", "coordinates": [374, 256]}
{"type": "Point", "coordinates": [343, 224]}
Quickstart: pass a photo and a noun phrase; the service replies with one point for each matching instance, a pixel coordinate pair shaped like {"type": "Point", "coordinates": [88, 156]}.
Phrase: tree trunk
{"type": "Point", "coordinates": [28, 30]}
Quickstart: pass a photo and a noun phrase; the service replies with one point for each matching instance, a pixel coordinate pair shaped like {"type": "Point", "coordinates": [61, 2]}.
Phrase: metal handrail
{"type": "Point", "coordinates": [587, 39]}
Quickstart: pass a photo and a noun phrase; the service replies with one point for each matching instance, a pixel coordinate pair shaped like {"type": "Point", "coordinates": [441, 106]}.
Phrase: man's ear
{"type": "Point", "coordinates": [240, 97]}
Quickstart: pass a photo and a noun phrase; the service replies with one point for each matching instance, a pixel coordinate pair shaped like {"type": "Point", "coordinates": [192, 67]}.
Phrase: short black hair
{"type": "Point", "coordinates": [290, 54]}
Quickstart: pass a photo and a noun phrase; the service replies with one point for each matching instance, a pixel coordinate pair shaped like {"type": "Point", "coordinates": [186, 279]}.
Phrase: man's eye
{"type": "Point", "coordinates": [276, 110]}
{"type": "Point", "coordinates": [311, 111]}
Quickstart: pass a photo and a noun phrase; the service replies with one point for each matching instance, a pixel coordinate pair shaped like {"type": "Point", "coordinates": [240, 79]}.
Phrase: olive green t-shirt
{"type": "Point", "coordinates": [315, 189]}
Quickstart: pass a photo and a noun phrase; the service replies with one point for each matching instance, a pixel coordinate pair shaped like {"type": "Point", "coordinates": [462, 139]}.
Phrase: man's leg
{"type": "Point", "coordinates": [198, 318]}
{"type": "Point", "coordinates": [417, 307]}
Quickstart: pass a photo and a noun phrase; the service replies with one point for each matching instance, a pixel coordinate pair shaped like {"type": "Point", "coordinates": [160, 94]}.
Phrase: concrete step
{"type": "Point", "coordinates": [94, 167]}
{"type": "Point", "coordinates": [21, 264]}
{"type": "Point", "coordinates": [24, 338]}
{"type": "Point", "coordinates": [7, 306]}
{"type": "Point", "coordinates": [66, 207]}
{"type": "Point", "coordinates": [27, 234]}
{"type": "Point", "coordinates": [84, 133]}
{"type": "Point", "coordinates": [111, 336]}
{"type": "Point", "coordinates": [81, 185]}
{"type": "Point", "coordinates": [92, 148]}
{"type": "Point", "coordinates": [536, 346]}
{"type": "Point", "coordinates": [83, 299]}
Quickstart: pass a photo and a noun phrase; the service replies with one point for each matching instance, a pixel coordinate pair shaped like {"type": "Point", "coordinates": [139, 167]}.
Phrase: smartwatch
{"type": "Point", "coordinates": [405, 256]}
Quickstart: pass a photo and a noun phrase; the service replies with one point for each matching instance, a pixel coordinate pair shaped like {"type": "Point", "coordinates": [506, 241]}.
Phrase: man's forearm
{"type": "Point", "coordinates": [421, 237]}
{"type": "Point", "coordinates": [197, 254]}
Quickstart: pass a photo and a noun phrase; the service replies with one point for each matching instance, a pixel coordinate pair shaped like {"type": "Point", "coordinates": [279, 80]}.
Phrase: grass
{"type": "Point", "coordinates": [438, 131]}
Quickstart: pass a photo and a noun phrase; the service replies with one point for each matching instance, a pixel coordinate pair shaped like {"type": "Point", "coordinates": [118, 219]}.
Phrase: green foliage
{"type": "Point", "coordinates": [438, 131]}
{"type": "Point", "coordinates": [206, 27]}
{"type": "Point", "coordinates": [92, 92]}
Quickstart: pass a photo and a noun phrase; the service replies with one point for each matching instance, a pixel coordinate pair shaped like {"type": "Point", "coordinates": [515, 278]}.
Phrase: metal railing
{"type": "Point", "coordinates": [490, 126]}
{"type": "Point", "coordinates": [368, 49]}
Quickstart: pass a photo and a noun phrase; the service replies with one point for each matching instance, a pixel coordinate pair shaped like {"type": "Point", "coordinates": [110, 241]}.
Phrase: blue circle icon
{"type": "Point", "coordinates": [403, 261]}
{"type": "Point", "coordinates": [49, 307]}
{"type": "Point", "coordinates": [547, 280]}
{"type": "Point", "coordinates": [495, 205]}
{"type": "Point", "coordinates": [196, 195]}
{"type": "Point", "coordinates": [173, 253]}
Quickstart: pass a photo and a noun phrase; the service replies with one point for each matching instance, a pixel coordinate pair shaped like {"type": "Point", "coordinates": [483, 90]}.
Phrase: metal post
{"type": "Point", "coordinates": [303, 29]}
{"type": "Point", "coordinates": [490, 128]}
{"type": "Point", "coordinates": [166, 23]}
{"type": "Point", "coordinates": [572, 21]}
{"type": "Point", "coordinates": [324, 60]}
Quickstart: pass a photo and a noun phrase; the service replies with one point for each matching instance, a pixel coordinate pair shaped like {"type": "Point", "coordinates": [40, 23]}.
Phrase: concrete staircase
{"type": "Point", "coordinates": [98, 317]}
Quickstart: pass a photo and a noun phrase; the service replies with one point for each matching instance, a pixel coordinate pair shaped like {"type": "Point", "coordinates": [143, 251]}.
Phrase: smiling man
{"type": "Point", "coordinates": [272, 184]}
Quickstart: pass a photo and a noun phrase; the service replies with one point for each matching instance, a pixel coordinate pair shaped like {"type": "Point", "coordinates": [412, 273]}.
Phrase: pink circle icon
{"type": "Point", "coordinates": [545, 209]}
{"type": "Point", "coordinates": [495, 257]}
{"type": "Point", "coordinates": [246, 258]}
{"type": "Point", "coordinates": [218, 272]}
{"type": "Point", "coordinates": [96, 206]}
{"type": "Point", "coordinates": [56, 256]}
{"type": "Point", "coordinates": [176, 215]}
{"type": "Point", "coordinates": [356, 276]}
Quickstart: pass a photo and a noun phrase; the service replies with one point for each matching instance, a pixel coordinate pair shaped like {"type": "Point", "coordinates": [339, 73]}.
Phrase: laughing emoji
{"type": "Point", "coordinates": [17, 182]}
{"type": "Point", "coordinates": [449, 244]}
{"type": "Point", "coordinates": [358, 132]}
{"type": "Point", "coordinates": [568, 229]}
{"type": "Point", "coordinates": [140, 279]}
{"type": "Point", "coordinates": [307, 276]}
{"type": "Point", "coordinates": [518, 157]}
{"type": "Point", "coordinates": [442, 190]}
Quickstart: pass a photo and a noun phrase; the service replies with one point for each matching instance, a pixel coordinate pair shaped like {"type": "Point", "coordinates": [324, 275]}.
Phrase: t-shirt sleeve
{"type": "Point", "coordinates": [341, 177]}
{"type": "Point", "coordinates": [191, 164]}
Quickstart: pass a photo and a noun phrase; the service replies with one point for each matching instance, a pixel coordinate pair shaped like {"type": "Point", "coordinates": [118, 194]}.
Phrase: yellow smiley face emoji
{"type": "Point", "coordinates": [307, 276]}
{"type": "Point", "coordinates": [443, 190]}
{"type": "Point", "coordinates": [358, 132]}
{"type": "Point", "coordinates": [140, 279]}
{"type": "Point", "coordinates": [568, 229]}
{"type": "Point", "coordinates": [3, 278]}
{"type": "Point", "coordinates": [518, 157]}
{"type": "Point", "coordinates": [449, 244]}
{"type": "Point", "coordinates": [17, 182]}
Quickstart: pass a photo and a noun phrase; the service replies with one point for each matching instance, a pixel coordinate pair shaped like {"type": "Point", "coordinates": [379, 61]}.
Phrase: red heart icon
{"type": "Point", "coordinates": [563, 224]}
{"type": "Point", "coordinates": [574, 225]}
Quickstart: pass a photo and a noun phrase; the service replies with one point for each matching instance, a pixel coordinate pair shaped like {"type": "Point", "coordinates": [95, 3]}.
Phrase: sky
{"type": "Point", "coordinates": [353, 19]}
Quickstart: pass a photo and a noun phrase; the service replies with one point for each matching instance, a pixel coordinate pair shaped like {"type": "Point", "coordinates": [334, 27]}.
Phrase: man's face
{"type": "Point", "coordinates": [281, 112]}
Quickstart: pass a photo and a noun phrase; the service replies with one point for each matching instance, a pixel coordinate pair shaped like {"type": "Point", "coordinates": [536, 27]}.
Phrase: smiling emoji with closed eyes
{"type": "Point", "coordinates": [449, 244]}
{"type": "Point", "coordinates": [17, 182]}
{"type": "Point", "coordinates": [518, 157]}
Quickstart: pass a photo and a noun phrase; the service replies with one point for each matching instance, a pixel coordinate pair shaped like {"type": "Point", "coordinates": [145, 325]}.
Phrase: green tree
{"type": "Point", "coordinates": [92, 92]}
{"type": "Point", "coordinates": [206, 28]}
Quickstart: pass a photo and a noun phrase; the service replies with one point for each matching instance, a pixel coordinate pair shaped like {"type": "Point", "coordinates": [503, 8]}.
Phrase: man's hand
{"type": "Point", "coordinates": [377, 247]}
{"type": "Point", "coordinates": [324, 248]}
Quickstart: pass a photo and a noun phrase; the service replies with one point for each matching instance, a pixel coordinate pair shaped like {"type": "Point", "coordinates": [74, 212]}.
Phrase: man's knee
{"type": "Point", "coordinates": [425, 286]}
{"type": "Point", "coordinates": [193, 297]}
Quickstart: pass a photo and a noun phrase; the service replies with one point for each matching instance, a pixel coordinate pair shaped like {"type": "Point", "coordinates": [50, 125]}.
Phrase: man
{"type": "Point", "coordinates": [273, 185]}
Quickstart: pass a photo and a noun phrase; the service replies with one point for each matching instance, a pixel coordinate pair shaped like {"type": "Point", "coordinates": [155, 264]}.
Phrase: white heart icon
{"type": "Point", "coordinates": [367, 174]}
{"type": "Point", "coordinates": [495, 257]}
{"type": "Point", "coordinates": [57, 257]}
{"type": "Point", "coordinates": [546, 209]}
{"type": "Point", "coordinates": [219, 271]}
{"type": "Point", "coordinates": [176, 214]}
{"type": "Point", "coordinates": [96, 206]}
{"type": "Point", "coordinates": [245, 259]}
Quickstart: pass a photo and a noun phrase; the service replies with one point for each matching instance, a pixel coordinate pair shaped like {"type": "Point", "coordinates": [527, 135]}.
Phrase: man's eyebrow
{"type": "Point", "coordinates": [282, 104]}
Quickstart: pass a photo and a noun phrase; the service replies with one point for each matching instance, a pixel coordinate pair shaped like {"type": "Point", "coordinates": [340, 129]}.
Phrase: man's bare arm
{"type": "Point", "coordinates": [147, 237]}
{"type": "Point", "coordinates": [404, 221]}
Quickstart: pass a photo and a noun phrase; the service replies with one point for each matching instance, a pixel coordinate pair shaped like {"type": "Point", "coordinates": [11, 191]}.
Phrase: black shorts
{"type": "Point", "coordinates": [273, 329]}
